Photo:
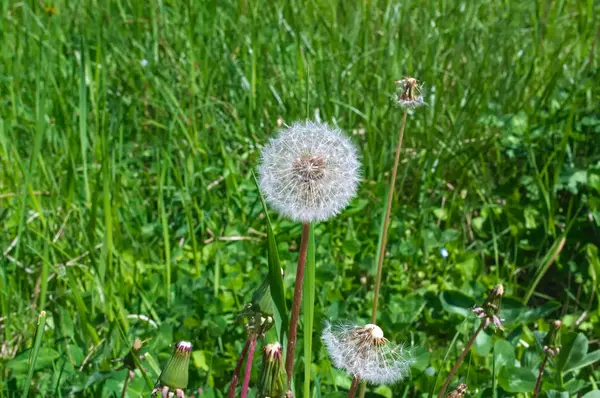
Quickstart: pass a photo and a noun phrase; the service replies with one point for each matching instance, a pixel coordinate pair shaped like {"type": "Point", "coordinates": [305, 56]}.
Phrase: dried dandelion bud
{"type": "Point", "coordinates": [259, 311]}
{"type": "Point", "coordinates": [366, 354]}
{"type": "Point", "coordinates": [552, 339]}
{"type": "Point", "coordinates": [491, 308]}
{"type": "Point", "coordinates": [309, 172]}
{"type": "Point", "coordinates": [271, 381]}
{"type": "Point", "coordinates": [409, 93]}
{"type": "Point", "coordinates": [174, 377]}
{"type": "Point", "coordinates": [129, 361]}
{"type": "Point", "coordinates": [459, 391]}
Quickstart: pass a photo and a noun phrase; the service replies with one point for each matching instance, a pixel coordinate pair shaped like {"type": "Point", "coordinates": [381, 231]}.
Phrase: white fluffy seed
{"type": "Point", "coordinates": [309, 172]}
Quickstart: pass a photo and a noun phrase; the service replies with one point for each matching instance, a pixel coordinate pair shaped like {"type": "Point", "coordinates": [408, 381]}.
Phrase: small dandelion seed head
{"type": "Point", "coordinates": [309, 172]}
{"type": "Point", "coordinates": [409, 93]}
{"type": "Point", "coordinates": [364, 352]}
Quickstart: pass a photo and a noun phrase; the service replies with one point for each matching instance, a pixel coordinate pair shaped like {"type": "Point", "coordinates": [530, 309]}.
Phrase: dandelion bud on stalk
{"type": "Point", "coordinates": [491, 308]}
{"type": "Point", "coordinates": [364, 353]}
{"type": "Point", "coordinates": [271, 382]}
{"type": "Point", "coordinates": [488, 312]}
{"type": "Point", "coordinates": [174, 377]}
{"type": "Point", "coordinates": [551, 349]}
{"type": "Point", "coordinates": [552, 339]}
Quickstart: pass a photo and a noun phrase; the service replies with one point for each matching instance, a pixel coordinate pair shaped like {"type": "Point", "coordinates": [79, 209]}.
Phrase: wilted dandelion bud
{"type": "Point", "coordinates": [491, 308]}
{"type": "Point", "coordinates": [129, 361]}
{"type": "Point", "coordinates": [309, 172]}
{"type": "Point", "coordinates": [366, 354]}
{"type": "Point", "coordinates": [271, 381]}
{"type": "Point", "coordinates": [552, 339]}
{"type": "Point", "coordinates": [459, 391]}
{"type": "Point", "coordinates": [259, 311]}
{"type": "Point", "coordinates": [174, 377]}
{"type": "Point", "coordinates": [409, 93]}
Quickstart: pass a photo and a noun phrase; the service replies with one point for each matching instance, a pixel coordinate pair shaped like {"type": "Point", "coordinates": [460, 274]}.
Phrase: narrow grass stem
{"type": "Point", "coordinates": [538, 383]}
{"type": "Point", "coordinates": [353, 387]}
{"type": "Point", "coordinates": [248, 372]}
{"type": "Point", "coordinates": [238, 368]}
{"type": "Point", "coordinates": [460, 360]}
{"type": "Point", "coordinates": [125, 384]}
{"type": "Point", "coordinates": [291, 345]}
{"type": "Point", "coordinates": [386, 221]}
{"type": "Point", "coordinates": [39, 333]}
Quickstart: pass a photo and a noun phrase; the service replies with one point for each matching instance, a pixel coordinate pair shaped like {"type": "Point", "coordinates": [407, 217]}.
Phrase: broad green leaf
{"type": "Point", "coordinates": [573, 351]}
{"type": "Point", "coordinates": [45, 357]}
{"type": "Point", "coordinates": [516, 380]}
{"type": "Point", "coordinates": [557, 394]}
{"type": "Point", "coordinates": [483, 343]}
{"type": "Point", "coordinates": [592, 394]}
{"type": "Point", "coordinates": [587, 360]}
{"type": "Point", "coordinates": [504, 355]}
{"type": "Point", "coordinates": [457, 303]}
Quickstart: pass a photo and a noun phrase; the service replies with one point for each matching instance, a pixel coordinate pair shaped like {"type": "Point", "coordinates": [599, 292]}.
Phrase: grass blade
{"type": "Point", "coordinates": [39, 333]}
{"type": "Point", "coordinates": [309, 308]}
{"type": "Point", "coordinates": [275, 278]}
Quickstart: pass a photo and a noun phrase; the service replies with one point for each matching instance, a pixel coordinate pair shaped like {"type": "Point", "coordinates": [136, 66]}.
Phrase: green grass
{"type": "Point", "coordinates": [129, 131]}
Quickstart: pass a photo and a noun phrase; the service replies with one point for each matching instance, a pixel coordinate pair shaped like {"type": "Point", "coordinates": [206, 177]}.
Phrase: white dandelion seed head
{"type": "Point", "coordinates": [309, 172]}
{"type": "Point", "coordinates": [364, 352]}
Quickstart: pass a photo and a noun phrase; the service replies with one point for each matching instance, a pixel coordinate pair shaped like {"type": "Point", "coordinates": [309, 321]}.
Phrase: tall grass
{"type": "Point", "coordinates": [132, 129]}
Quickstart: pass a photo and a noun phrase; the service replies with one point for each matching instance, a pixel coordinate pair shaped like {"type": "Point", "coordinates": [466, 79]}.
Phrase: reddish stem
{"type": "Point", "coordinates": [386, 221]}
{"type": "Point", "coordinates": [538, 383]}
{"type": "Point", "coordinates": [238, 368]}
{"type": "Point", "coordinates": [248, 366]}
{"type": "Point", "coordinates": [291, 346]}
{"type": "Point", "coordinates": [353, 388]}
{"type": "Point", "coordinates": [460, 360]}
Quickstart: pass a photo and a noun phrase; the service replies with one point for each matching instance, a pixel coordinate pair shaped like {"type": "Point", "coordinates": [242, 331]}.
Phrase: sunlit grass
{"type": "Point", "coordinates": [129, 130]}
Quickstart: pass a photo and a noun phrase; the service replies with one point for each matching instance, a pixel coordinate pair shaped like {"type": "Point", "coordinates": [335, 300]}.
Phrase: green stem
{"type": "Point", "coordinates": [39, 333]}
{"type": "Point", "coordinates": [309, 309]}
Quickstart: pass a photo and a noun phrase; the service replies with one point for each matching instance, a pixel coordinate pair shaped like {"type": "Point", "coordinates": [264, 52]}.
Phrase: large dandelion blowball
{"type": "Point", "coordinates": [309, 172]}
{"type": "Point", "coordinates": [365, 353]}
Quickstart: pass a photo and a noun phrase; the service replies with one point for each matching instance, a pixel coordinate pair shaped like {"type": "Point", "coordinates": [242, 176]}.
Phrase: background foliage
{"type": "Point", "coordinates": [129, 130]}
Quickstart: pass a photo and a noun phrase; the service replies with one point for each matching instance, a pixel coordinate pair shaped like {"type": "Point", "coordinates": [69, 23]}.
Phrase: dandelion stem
{"type": "Point", "coordinates": [251, 349]}
{"type": "Point", "coordinates": [291, 345]}
{"type": "Point", "coordinates": [353, 387]}
{"type": "Point", "coordinates": [238, 368]}
{"type": "Point", "coordinates": [538, 383]}
{"type": "Point", "coordinates": [386, 221]}
{"type": "Point", "coordinates": [125, 384]}
{"type": "Point", "coordinates": [460, 360]}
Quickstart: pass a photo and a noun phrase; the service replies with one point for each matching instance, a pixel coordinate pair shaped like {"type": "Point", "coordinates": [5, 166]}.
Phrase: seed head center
{"type": "Point", "coordinates": [309, 168]}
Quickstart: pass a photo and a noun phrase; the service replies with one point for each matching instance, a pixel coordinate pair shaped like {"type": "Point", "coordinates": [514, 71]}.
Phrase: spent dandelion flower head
{"type": "Point", "coordinates": [309, 172]}
{"type": "Point", "coordinates": [364, 353]}
{"type": "Point", "coordinates": [409, 93]}
{"type": "Point", "coordinates": [490, 309]}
